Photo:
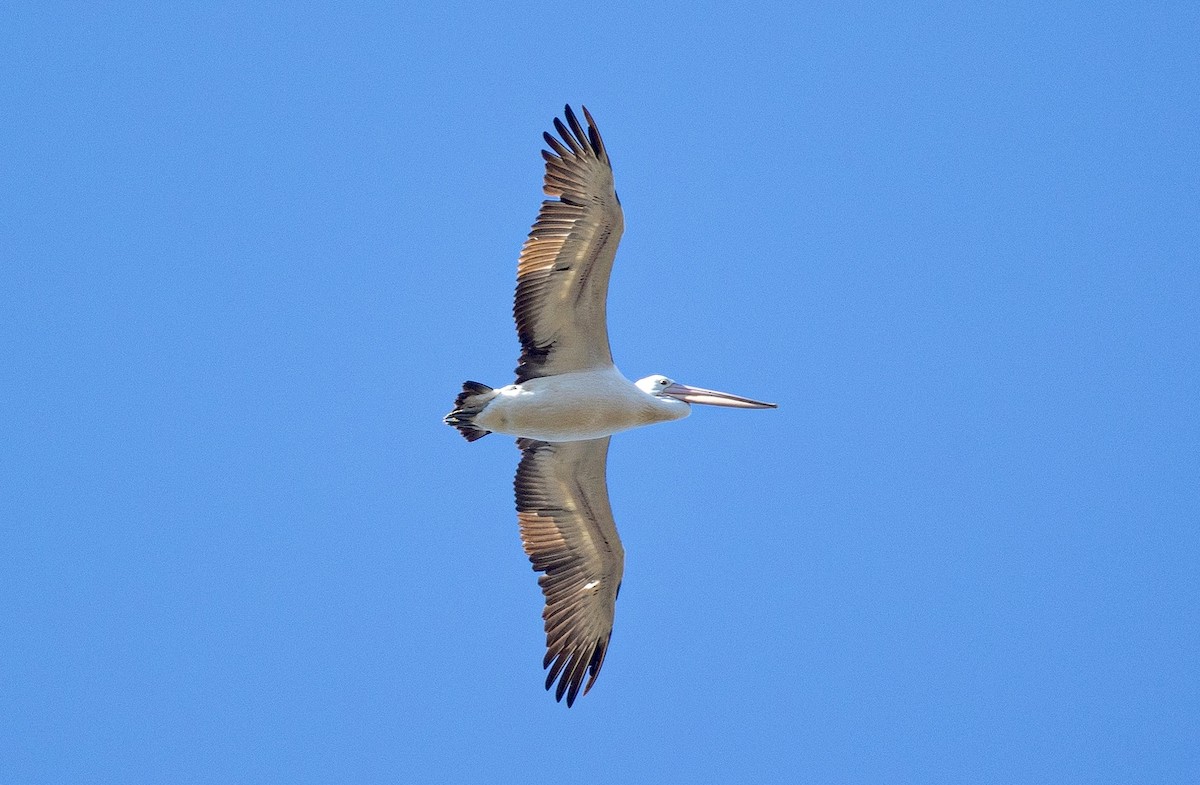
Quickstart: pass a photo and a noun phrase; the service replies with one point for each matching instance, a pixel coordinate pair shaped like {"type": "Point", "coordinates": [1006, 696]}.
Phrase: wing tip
{"type": "Point", "coordinates": [576, 138]}
{"type": "Point", "coordinates": [569, 671]}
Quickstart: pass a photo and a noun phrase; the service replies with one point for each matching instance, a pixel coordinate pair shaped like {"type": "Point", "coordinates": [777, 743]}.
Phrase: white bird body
{"type": "Point", "coordinates": [568, 400]}
{"type": "Point", "coordinates": [576, 406]}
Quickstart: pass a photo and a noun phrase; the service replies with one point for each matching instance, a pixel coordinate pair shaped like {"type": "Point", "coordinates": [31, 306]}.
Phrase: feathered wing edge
{"type": "Point", "coordinates": [568, 533]}
{"type": "Point", "coordinates": [564, 267]}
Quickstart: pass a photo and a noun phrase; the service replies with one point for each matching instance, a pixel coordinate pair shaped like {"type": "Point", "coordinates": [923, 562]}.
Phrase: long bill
{"type": "Point", "coordinates": [714, 398]}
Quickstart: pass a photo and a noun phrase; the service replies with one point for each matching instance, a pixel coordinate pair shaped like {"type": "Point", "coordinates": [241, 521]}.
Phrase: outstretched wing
{"type": "Point", "coordinates": [563, 271]}
{"type": "Point", "coordinates": [568, 532]}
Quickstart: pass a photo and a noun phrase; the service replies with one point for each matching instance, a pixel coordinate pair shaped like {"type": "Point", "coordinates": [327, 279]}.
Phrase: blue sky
{"type": "Point", "coordinates": [249, 253]}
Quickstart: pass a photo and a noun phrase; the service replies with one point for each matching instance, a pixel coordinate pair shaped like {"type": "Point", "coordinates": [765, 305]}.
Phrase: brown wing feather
{"type": "Point", "coordinates": [563, 271]}
{"type": "Point", "coordinates": [568, 532]}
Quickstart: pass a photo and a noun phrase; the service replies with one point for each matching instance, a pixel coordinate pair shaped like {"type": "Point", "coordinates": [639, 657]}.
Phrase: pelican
{"type": "Point", "coordinates": [568, 400]}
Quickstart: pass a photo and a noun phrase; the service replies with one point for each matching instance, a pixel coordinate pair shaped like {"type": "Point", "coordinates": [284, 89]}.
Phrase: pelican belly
{"type": "Point", "coordinates": [572, 407]}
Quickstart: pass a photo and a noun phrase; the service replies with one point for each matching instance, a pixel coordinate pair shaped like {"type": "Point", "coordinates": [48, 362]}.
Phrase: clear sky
{"type": "Point", "coordinates": [248, 252]}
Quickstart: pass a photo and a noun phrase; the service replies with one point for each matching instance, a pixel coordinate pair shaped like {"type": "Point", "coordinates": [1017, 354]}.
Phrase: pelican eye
{"type": "Point", "coordinates": [663, 382]}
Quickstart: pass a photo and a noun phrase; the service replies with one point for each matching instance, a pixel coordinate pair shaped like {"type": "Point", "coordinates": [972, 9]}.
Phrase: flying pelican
{"type": "Point", "coordinates": [568, 400]}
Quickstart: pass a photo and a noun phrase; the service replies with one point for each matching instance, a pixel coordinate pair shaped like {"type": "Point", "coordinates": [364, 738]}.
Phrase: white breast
{"type": "Point", "coordinates": [574, 406]}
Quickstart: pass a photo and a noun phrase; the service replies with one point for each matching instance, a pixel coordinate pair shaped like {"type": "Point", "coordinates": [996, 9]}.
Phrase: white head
{"type": "Point", "coordinates": [672, 393]}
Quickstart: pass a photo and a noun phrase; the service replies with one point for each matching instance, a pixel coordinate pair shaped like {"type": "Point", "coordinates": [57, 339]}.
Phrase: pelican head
{"type": "Point", "coordinates": [669, 390]}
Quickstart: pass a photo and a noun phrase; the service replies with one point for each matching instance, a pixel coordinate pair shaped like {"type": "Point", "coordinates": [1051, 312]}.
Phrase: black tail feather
{"type": "Point", "coordinates": [470, 402]}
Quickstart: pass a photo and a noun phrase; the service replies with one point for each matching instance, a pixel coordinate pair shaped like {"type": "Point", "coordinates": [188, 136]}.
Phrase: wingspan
{"type": "Point", "coordinates": [563, 271]}
{"type": "Point", "coordinates": [569, 534]}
